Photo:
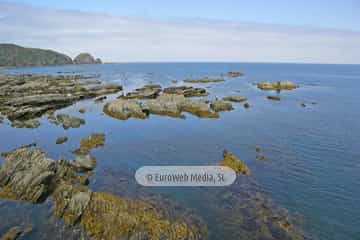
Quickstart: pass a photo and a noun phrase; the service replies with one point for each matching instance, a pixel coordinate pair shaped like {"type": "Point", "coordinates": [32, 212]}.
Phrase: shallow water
{"type": "Point", "coordinates": [313, 152]}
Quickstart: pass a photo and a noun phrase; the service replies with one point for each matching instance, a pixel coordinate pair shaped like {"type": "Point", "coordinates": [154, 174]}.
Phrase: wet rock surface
{"type": "Point", "coordinates": [187, 91]}
{"type": "Point", "coordinates": [280, 85]}
{"type": "Point", "coordinates": [235, 99]}
{"type": "Point", "coordinates": [12, 234]}
{"type": "Point", "coordinates": [220, 105]}
{"type": "Point", "coordinates": [29, 96]}
{"type": "Point", "coordinates": [230, 160]}
{"type": "Point", "coordinates": [124, 109]}
{"type": "Point", "coordinates": [204, 80]}
{"type": "Point", "coordinates": [61, 140]}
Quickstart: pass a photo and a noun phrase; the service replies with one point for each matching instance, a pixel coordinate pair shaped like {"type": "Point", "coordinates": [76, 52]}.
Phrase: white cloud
{"type": "Point", "coordinates": [115, 38]}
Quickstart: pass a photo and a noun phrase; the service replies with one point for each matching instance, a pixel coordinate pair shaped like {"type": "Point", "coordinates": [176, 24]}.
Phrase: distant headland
{"type": "Point", "coordinates": [12, 55]}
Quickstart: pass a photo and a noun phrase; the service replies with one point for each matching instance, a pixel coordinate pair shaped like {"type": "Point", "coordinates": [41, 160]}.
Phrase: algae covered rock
{"type": "Point", "coordinates": [235, 99]}
{"type": "Point", "coordinates": [220, 105]}
{"type": "Point", "coordinates": [29, 175]}
{"type": "Point", "coordinates": [280, 85]}
{"type": "Point", "coordinates": [93, 141]}
{"type": "Point", "coordinates": [230, 160]}
{"type": "Point", "coordinates": [12, 234]}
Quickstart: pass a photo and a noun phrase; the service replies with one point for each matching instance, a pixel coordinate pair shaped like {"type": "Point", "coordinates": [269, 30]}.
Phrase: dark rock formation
{"type": "Point", "coordinates": [234, 74]}
{"type": "Point", "coordinates": [86, 58]}
{"type": "Point", "coordinates": [61, 140]}
{"type": "Point", "coordinates": [274, 98]}
{"type": "Point", "coordinates": [15, 56]}
{"type": "Point", "coordinates": [246, 105]}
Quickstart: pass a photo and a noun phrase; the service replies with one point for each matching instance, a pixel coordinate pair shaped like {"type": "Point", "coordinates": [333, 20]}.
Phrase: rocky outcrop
{"type": "Point", "coordinates": [28, 175]}
{"type": "Point", "coordinates": [12, 55]}
{"type": "Point", "coordinates": [24, 97]}
{"type": "Point", "coordinates": [86, 58]}
{"type": "Point", "coordinates": [280, 85]}
{"type": "Point", "coordinates": [90, 142]}
{"type": "Point", "coordinates": [148, 91]}
{"type": "Point", "coordinates": [235, 99]}
{"type": "Point", "coordinates": [234, 74]}
{"type": "Point", "coordinates": [230, 160]}
{"type": "Point", "coordinates": [205, 80]}
{"type": "Point", "coordinates": [220, 105]}
{"type": "Point", "coordinates": [68, 121]}
{"type": "Point", "coordinates": [247, 105]}
{"type": "Point", "coordinates": [187, 91]}
{"type": "Point", "coordinates": [124, 109]}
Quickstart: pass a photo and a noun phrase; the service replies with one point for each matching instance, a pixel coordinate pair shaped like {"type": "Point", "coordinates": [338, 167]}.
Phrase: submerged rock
{"type": "Point", "coordinates": [68, 121]}
{"type": "Point", "coordinates": [187, 91]}
{"type": "Point", "coordinates": [33, 123]}
{"type": "Point", "coordinates": [124, 109]}
{"type": "Point", "coordinates": [100, 99]}
{"type": "Point", "coordinates": [230, 160]}
{"type": "Point", "coordinates": [258, 149]}
{"type": "Point", "coordinates": [205, 80]}
{"type": "Point", "coordinates": [235, 99]}
{"type": "Point", "coordinates": [246, 105]}
{"type": "Point", "coordinates": [220, 105]}
{"type": "Point", "coordinates": [280, 85]}
{"type": "Point", "coordinates": [61, 140]}
{"type": "Point", "coordinates": [82, 110]}
{"type": "Point", "coordinates": [234, 74]}
{"type": "Point", "coordinates": [261, 158]}
{"type": "Point", "coordinates": [274, 98]}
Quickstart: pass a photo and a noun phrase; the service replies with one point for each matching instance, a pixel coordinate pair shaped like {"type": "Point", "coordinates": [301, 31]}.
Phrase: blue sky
{"type": "Point", "coordinates": [339, 14]}
{"type": "Point", "coordinates": [212, 31]}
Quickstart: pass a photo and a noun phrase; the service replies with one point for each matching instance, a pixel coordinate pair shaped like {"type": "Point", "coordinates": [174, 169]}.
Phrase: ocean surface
{"type": "Point", "coordinates": [313, 153]}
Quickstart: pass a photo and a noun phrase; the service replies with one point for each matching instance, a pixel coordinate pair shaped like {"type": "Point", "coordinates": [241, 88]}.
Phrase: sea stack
{"type": "Point", "coordinates": [86, 58]}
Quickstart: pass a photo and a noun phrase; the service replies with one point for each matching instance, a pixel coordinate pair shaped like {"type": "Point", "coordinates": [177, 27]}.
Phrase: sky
{"type": "Point", "coordinates": [228, 30]}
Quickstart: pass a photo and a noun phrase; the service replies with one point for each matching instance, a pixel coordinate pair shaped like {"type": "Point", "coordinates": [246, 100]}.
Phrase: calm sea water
{"type": "Point", "coordinates": [313, 166]}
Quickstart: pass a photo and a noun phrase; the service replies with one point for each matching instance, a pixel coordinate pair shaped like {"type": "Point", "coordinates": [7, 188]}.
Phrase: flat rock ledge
{"type": "Point", "coordinates": [24, 97]}
{"type": "Point", "coordinates": [172, 105]}
{"type": "Point", "coordinates": [279, 85]}
{"type": "Point", "coordinates": [28, 175]}
{"type": "Point", "coordinates": [205, 80]}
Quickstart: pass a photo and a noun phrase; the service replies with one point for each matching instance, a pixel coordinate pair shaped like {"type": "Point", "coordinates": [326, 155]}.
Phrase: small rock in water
{"type": "Point", "coordinates": [258, 149]}
{"type": "Point", "coordinates": [100, 99]}
{"type": "Point", "coordinates": [174, 81]}
{"type": "Point", "coordinates": [230, 160]}
{"type": "Point", "coordinates": [61, 140]}
{"type": "Point", "coordinates": [279, 85]}
{"type": "Point", "coordinates": [235, 99]}
{"type": "Point", "coordinates": [1, 119]}
{"type": "Point", "coordinates": [246, 105]}
{"type": "Point", "coordinates": [261, 158]}
{"type": "Point", "coordinates": [275, 98]}
{"type": "Point", "coordinates": [82, 110]}
{"type": "Point", "coordinates": [234, 74]}
{"type": "Point", "coordinates": [303, 104]}
{"type": "Point", "coordinates": [33, 123]}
